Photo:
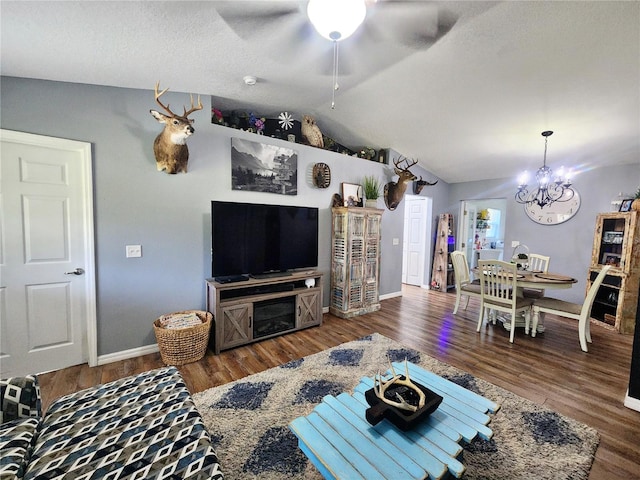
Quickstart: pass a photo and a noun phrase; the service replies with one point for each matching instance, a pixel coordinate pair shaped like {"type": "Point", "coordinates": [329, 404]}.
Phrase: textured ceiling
{"type": "Point", "coordinates": [470, 103]}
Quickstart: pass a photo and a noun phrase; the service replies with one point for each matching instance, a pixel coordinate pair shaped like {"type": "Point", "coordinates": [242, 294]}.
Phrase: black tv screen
{"type": "Point", "coordinates": [255, 239]}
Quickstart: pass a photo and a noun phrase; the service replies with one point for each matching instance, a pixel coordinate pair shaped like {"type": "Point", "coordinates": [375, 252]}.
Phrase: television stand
{"type": "Point", "coordinates": [232, 278]}
{"type": "Point", "coordinates": [261, 308]}
{"type": "Point", "coordinates": [261, 276]}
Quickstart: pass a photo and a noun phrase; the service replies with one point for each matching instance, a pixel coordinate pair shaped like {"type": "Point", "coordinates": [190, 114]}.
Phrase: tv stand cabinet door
{"type": "Point", "coordinates": [308, 308]}
{"type": "Point", "coordinates": [236, 325]}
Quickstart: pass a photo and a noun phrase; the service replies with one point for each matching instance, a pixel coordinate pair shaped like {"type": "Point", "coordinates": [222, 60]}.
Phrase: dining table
{"type": "Point", "coordinates": [538, 280]}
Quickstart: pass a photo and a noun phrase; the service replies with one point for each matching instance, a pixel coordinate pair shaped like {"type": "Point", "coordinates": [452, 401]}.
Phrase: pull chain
{"type": "Point", "coordinates": [335, 75]}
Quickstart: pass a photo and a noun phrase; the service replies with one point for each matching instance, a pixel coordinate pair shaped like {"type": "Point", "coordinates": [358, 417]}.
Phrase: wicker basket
{"type": "Point", "coordinates": [183, 345]}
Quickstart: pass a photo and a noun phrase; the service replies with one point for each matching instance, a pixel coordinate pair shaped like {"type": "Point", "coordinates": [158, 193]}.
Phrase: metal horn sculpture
{"type": "Point", "coordinates": [420, 184]}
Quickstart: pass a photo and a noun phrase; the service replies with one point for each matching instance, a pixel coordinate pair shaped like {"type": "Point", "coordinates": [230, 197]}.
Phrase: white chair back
{"type": "Point", "coordinates": [460, 267]}
{"type": "Point", "coordinates": [498, 280]}
{"type": "Point", "coordinates": [538, 263]}
{"type": "Point", "coordinates": [591, 294]}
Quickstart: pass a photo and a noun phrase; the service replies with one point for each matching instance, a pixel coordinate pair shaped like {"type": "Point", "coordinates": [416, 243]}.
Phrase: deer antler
{"type": "Point", "coordinates": [193, 109]}
{"type": "Point", "coordinates": [380, 386]}
{"type": "Point", "coordinates": [404, 159]}
{"type": "Point", "coordinates": [166, 107]}
{"type": "Point", "coordinates": [158, 95]}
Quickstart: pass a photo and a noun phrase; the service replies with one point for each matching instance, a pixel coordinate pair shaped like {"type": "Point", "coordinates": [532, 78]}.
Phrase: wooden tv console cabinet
{"type": "Point", "coordinates": [260, 308]}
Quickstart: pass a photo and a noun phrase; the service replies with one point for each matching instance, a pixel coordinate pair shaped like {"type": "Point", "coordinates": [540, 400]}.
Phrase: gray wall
{"type": "Point", "coordinates": [569, 244]}
{"type": "Point", "coordinates": [169, 214]}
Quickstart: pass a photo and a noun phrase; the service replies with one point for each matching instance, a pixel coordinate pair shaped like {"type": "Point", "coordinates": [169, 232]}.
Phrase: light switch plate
{"type": "Point", "coordinates": [134, 251]}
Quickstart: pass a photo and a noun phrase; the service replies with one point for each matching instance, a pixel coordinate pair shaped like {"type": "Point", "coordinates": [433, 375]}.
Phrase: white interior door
{"type": "Point", "coordinates": [416, 241]}
{"type": "Point", "coordinates": [47, 280]}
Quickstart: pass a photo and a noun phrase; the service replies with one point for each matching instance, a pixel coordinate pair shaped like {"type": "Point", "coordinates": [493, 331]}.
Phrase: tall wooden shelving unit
{"type": "Point", "coordinates": [355, 261]}
{"type": "Point", "coordinates": [617, 242]}
{"type": "Point", "coordinates": [442, 276]}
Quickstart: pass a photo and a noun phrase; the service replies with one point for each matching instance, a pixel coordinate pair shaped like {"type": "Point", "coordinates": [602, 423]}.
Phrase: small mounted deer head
{"type": "Point", "coordinates": [394, 191]}
{"type": "Point", "coordinates": [170, 147]}
{"type": "Point", "coordinates": [420, 184]}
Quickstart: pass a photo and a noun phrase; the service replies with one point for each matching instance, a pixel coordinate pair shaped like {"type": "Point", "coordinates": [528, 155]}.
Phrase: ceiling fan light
{"type": "Point", "coordinates": [336, 19]}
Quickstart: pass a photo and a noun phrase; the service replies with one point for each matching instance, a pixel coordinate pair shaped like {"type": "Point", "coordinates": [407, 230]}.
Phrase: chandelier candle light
{"type": "Point", "coordinates": [550, 188]}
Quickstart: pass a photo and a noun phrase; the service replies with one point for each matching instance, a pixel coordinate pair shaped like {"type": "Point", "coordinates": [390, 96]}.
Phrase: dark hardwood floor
{"type": "Point", "coordinates": [549, 370]}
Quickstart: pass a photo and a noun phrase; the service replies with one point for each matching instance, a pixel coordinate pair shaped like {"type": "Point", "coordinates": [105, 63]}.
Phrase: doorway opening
{"type": "Point", "coordinates": [482, 226]}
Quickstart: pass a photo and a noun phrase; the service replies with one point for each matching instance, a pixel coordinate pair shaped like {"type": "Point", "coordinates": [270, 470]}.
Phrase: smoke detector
{"type": "Point", "coordinates": [250, 80]}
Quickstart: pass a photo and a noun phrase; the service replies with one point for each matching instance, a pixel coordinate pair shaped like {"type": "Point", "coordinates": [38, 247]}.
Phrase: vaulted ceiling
{"type": "Point", "coordinates": [468, 100]}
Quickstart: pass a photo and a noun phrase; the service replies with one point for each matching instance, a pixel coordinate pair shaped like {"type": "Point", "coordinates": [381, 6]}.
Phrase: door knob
{"type": "Point", "coordinates": [77, 271]}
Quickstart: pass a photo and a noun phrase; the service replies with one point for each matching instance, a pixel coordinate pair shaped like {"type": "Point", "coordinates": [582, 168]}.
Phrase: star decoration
{"type": "Point", "coordinates": [285, 120]}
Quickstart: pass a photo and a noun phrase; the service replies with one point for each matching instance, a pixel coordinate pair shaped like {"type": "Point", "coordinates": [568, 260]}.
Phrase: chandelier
{"type": "Point", "coordinates": [550, 188]}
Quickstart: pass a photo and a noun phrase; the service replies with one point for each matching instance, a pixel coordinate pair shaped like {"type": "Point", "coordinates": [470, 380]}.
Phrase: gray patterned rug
{"type": "Point", "coordinates": [248, 418]}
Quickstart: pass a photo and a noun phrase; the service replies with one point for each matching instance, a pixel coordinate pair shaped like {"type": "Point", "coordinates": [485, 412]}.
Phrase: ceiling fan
{"type": "Point", "coordinates": [383, 33]}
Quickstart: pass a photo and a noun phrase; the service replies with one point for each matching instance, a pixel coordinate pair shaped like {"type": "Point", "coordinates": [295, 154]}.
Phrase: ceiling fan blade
{"type": "Point", "coordinates": [417, 25]}
{"type": "Point", "coordinates": [253, 20]}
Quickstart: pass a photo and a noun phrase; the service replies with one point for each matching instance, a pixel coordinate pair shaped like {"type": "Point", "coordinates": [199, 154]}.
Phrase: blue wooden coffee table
{"type": "Point", "coordinates": [341, 444]}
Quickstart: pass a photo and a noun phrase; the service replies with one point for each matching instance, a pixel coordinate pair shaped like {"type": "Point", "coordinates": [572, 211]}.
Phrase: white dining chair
{"type": "Point", "coordinates": [576, 311]}
{"type": "Point", "coordinates": [498, 292]}
{"type": "Point", "coordinates": [537, 263]}
{"type": "Point", "coordinates": [464, 285]}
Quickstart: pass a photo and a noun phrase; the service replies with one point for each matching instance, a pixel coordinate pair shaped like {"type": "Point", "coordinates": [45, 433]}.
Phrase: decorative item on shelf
{"type": "Point", "coordinates": [418, 185]}
{"type": "Point", "coordinates": [311, 132]}
{"type": "Point", "coordinates": [521, 259]}
{"type": "Point", "coordinates": [626, 204]}
{"type": "Point", "coordinates": [256, 125]}
{"type": "Point", "coordinates": [170, 146]}
{"type": "Point", "coordinates": [216, 116]}
{"type": "Point", "coordinates": [351, 195]}
{"type": "Point", "coordinates": [321, 175]}
{"type": "Point", "coordinates": [550, 188]}
{"type": "Point", "coordinates": [394, 191]}
{"type": "Point", "coordinates": [336, 200]}
{"type": "Point", "coordinates": [367, 153]}
{"type": "Point", "coordinates": [371, 186]}
{"type": "Point", "coordinates": [285, 120]}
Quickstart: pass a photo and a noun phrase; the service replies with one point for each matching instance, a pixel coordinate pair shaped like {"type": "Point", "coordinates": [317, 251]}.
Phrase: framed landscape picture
{"type": "Point", "coordinates": [260, 167]}
{"type": "Point", "coordinates": [625, 206]}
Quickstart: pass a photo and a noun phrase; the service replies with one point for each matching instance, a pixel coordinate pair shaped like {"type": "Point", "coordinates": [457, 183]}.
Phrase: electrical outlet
{"type": "Point", "coordinates": [514, 243]}
{"type": "Point", "coordinates": [134, 251]}
{"type": "Point", "coordinates": [396, 241]}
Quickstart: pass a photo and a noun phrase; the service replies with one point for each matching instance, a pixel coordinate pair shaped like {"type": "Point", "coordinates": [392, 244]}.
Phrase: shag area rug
{"type": "Point", "coordinates": [248, 419]}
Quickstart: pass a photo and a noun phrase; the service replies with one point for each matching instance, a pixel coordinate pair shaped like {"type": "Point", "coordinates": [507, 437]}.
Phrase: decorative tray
{"type": "Point", "coordinates": [402, 419]}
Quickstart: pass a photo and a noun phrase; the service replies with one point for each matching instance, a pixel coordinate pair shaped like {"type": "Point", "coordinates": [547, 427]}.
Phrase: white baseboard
{"type": "Point", "coordinates": [387, 296]}
{"type": "Point", "coordinates": [147, 349]}
{"type": "Point", "coordinates": [632, 403]}
{"type": "Point", "coordinates": [126, 354]}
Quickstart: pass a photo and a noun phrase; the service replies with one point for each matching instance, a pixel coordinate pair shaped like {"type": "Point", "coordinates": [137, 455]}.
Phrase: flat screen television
{"type": "Point", "coordinates": [261, 240]}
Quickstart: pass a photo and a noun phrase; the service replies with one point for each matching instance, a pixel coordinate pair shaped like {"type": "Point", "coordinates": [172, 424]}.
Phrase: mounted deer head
{"type": "Point", "coordinates": [420, 184]}
{"type": "Point", "coordinates": [394, 191]}
{"type": "Point", "coordinates": [170, 147]}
